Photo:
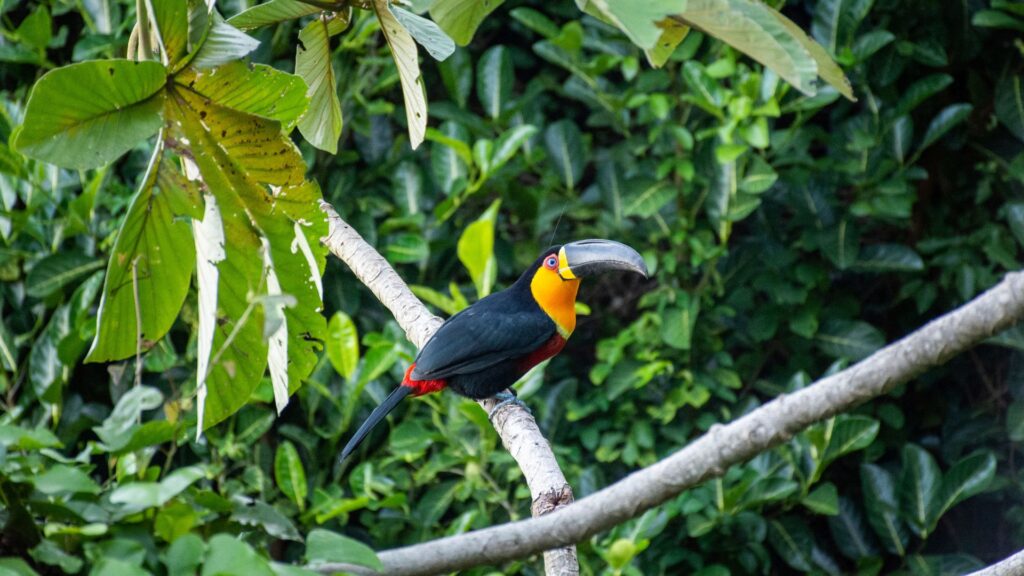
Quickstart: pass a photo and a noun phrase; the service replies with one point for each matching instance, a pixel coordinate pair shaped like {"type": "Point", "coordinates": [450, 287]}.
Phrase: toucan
{"type": "Point", "coordinates": [484, 349]}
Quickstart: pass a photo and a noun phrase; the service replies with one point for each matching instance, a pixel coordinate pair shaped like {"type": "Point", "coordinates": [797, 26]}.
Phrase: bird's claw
{"type": "Point", "coordinates": [504, 399]}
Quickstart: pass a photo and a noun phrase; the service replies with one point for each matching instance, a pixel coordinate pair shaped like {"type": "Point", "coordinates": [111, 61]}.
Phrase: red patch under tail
{"type": "Point", "coordinates": [421, 387]}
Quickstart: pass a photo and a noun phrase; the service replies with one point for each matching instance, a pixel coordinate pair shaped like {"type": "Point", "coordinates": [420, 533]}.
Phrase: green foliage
{"type": "Point", "coordinates": [789, 232]}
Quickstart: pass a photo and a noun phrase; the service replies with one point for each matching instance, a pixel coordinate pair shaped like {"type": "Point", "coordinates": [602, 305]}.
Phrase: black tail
{"type": "Point", "coordinates": [376, 416]}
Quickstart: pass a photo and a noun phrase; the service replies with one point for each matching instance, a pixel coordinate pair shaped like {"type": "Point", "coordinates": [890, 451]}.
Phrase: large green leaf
{"type": "Point", "coordinates": [343, 344]}
{"type": "Point", "coordinates": [944, 121]}
{"type": "Point", "coordinates": [57, 271]}
{"type": "Point", "coordinates": [752, 28]}
{"type": "Point", "coordinates": [920, 485]}
{"type": "Point", "coordinates": [438, 44]}
{"type": "Point", "coordinates": [403, 50]}
{"type": "Point", "coordinates": [1010, 104]}
{"type": "Point", "coordinates": [321, 126]}
{"type": "Point", "coordinates": [494, 78]}
{"type": "Point", "coordinates": [240, 157]}
{"type": "Point", "coordinates": [171, 20]}
{"type": "Point", "coordinates": [966, 478]}
{"type": "Point", "coordinates": [882, 506]}
{"type": "Point", "coordinates": [639, 19]}
{"type": "Point", "coordinates": [793, 540]}
{"type": "Point", "coordinates": [673, 32]}
{"type": "Point", "coordinates": [849, 339]}
{"type": "Point", "coordinates": [326, 546]}
{"type": "Point", "coordinates": [564, 144]}
{"type": "Point", "coordinates": [223, 43]}
{"type": "Point", "coordinates": [229, 556]}
{"type": "Point", "coordinates": [290, 474]}
{"type": "Point", "coordinates": [827, 68]}
{"type": "Point", "coordinates": [461, 18]}
{"type": "Point", "coordinates": [476, 250]}
{"type": "Point", "coordinates": [255, 89]}
{"type": "Point", "coordinates": [76, 128]}
{"type": "Point", "coordinates": [271, 12]}
{"type": "Point", "coordinates": [154, 257]}
{"type": "Point", "coordinates": [850, 533]}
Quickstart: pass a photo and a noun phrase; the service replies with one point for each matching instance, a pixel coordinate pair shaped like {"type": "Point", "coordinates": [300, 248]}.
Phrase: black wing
{"type": "Point", "coordinates": [492, 330]}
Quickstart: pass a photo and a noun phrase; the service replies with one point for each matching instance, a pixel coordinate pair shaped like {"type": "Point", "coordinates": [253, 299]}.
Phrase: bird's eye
{"type": "Point", "coordinates": [551, 262]}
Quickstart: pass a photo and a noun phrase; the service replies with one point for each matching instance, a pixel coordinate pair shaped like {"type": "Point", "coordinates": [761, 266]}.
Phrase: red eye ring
{"type": "Point", "coordinates": [551, 262]}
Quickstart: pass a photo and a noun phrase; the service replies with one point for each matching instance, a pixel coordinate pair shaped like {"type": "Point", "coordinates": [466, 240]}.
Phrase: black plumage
{"type": "Point", "coordinates": [481, 350]}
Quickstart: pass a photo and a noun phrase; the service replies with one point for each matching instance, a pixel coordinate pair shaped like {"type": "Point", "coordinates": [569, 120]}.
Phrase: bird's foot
{"type": "Point", "coordinates": [504, 399]}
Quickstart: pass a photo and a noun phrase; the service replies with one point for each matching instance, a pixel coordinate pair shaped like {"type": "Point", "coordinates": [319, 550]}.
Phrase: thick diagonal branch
{"type": "Point", "coordinates": [726, 445]}
{"type": "Point", "coordinates": [515, 426]}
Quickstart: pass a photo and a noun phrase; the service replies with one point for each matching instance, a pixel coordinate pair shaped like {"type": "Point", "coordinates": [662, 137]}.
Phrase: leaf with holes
{"type": "Point", "coordinates": [255, 89]}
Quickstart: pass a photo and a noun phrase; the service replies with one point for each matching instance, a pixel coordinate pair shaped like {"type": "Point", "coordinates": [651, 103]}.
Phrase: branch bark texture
{"type": "Point", "coordinates": [726, 445]}
{"type": "Point", "coordinates": [515, 426]}
{"type": "Point", "coordinates": [1012, 566]}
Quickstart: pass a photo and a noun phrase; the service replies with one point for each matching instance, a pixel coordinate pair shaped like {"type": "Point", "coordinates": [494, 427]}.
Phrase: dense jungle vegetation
{"type": "Point", "coordinates": [790, 232]}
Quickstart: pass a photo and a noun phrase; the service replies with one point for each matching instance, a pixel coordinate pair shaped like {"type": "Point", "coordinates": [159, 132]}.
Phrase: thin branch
{"type": "Point", "coordinates": [516, 427]}
{"type": "Point", "coordinates": [724, 445]}
{"type": "Point", "coordinates": [1012, 566]}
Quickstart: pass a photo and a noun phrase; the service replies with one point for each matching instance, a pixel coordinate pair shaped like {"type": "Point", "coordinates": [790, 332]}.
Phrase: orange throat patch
{"type": "Point", "coordinates": [557, 298]}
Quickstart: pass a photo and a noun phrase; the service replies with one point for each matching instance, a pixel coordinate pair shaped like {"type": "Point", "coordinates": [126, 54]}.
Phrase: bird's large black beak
{"type": "Point", "coordinates": [589, 257]}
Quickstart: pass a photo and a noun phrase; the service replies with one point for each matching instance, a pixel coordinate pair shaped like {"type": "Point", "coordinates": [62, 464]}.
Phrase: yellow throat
{"type": "Point", "coordinates": [556, 297]}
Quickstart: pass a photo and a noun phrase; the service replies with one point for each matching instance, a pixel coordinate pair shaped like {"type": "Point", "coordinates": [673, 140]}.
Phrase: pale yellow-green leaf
{"type": "Point", "coordinates": [476, 250]}
{"type": "Point", "coordinates": [672, 33]}
{"type": "Point", "coordinates": [406, 55]}
{"type": "Point", "coordinates": [321, 125]}
{"type": "Point", "coordinates": [750, 27]}
{"type": "Point", "coordinates": [827, 68]}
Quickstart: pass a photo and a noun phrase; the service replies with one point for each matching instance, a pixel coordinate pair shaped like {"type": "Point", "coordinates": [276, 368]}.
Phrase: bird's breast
{"type": "Point", "coordinates": [548, 349]}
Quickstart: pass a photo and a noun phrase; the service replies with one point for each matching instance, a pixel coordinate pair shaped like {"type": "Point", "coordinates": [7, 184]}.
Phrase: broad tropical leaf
{"type": "Point", "coordinates": [154, 256]}
{"type": "Point", "coordinates": [321, 126]}
{"type": "Point", "coordinates": [67, 126]}
{"type": "Point", "coordinates": [403, 49]}
{"type": "Point", "coordinates": [461, 18]}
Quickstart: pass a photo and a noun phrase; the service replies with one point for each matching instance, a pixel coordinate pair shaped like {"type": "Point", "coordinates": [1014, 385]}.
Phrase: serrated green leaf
{"type": "Point", "coordinates": [70, 128]}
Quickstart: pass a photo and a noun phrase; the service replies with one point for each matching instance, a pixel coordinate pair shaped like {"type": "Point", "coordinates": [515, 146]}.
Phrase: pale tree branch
{"type": "Point", "coordinates": [1012, 566]}
{"type": "Point", "coordinates": [515, 426]}
{"type": "Point", "coordinates": [725, 445]}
